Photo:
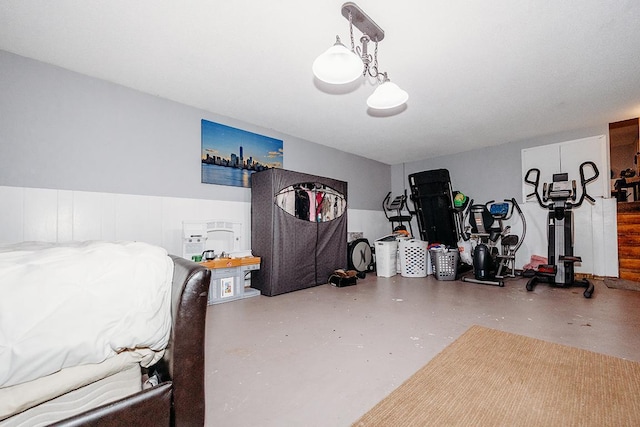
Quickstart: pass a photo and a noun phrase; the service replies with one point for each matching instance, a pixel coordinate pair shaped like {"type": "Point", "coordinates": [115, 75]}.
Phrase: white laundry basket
{"type": "Point", "coordinates": [386, 254]}
{"type": "Point", "coordinates": [413, 258]}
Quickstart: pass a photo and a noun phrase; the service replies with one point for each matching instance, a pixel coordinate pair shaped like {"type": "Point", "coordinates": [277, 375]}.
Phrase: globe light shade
{"type": "Point", "coordinates": [338, 65]}
{"type": "Point", "coordinates": [387, 95]}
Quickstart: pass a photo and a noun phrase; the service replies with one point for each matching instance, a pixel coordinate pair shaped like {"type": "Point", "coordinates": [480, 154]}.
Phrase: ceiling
{"type": "Point", "coordinates": [477, 73]}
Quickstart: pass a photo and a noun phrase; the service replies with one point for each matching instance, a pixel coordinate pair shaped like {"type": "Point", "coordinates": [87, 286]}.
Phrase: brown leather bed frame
{"type": "Point", "coordinates": [178, 400]}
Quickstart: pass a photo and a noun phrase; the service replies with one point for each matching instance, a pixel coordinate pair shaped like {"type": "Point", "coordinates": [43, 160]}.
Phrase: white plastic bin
{"type": "Point", "coordinates": [386, 256]}
{"type": "Point", "coordinates": [414, 261]}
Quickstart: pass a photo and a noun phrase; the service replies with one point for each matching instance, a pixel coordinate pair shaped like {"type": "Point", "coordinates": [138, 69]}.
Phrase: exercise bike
{"type": "Point", "coordinates": [559, 198]}
{"type": "Point", "coordinates": [486, 227]}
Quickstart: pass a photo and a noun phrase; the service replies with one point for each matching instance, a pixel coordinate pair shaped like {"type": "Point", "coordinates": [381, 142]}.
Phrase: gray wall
{"type": "Point", "coordinates": [63, 130]}
{"type": "Point", "coordinates": [492, 173]}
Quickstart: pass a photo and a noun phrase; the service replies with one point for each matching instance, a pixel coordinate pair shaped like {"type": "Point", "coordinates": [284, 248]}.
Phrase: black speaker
{"type": "Point", "coordinates": [360, 257]}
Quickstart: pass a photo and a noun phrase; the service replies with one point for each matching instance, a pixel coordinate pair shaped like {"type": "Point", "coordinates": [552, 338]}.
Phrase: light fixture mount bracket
{"type": "Point", "coordinates": [362, 22]}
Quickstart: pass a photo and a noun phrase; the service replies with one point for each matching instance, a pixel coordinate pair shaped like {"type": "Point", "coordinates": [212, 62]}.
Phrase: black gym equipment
{"type": "Point", "coordinates": [559, 198]}
{"type": "Point", "coordinates": [397, 212]}
{"type": "Point", "coordinates": [486, 227]}
{"type": "Point", "coordinates": [439, 220]}
{"type": "Point", "coordinates": [360, 257]}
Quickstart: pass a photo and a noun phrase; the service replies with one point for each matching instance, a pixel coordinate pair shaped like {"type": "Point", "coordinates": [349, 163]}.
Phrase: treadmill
{"type": "Point", "coordinates": [438, 219]}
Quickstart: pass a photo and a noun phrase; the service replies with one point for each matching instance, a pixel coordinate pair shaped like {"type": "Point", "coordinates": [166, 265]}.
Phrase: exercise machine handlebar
{"type": "Point", "coordinates": [466, 235]}
{"type": "Point", "coordinates": [522, 218]}
{"type": "Point", "coordinates": [584, 182]}
{"type": "Point", "coordinates": [535, 181]}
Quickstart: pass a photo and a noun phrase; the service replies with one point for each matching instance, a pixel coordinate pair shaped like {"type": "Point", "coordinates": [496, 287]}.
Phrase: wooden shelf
{"type": "Point", "coordinates": [231, 262]}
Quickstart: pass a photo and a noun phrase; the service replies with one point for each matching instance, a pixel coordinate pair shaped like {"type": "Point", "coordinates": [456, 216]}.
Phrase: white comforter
{"type": "Point", "coordinates": [79, 303]}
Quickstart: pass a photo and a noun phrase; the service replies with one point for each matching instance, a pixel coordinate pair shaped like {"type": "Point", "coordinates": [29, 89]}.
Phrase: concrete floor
{"type": "Point", "coordinates": [325, 355]}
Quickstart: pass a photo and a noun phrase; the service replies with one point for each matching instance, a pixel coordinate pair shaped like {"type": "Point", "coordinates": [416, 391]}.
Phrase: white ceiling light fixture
{"type": "Point", "coordinates": [339, 65]}
{"type": "Point", "coordinates": [387, 95]}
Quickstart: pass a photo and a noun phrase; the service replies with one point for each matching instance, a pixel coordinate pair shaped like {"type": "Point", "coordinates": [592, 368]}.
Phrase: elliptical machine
{"type": "Point", "coordinates": [486, 226]}
{"type": "Point", "coordinates": [559, 198]}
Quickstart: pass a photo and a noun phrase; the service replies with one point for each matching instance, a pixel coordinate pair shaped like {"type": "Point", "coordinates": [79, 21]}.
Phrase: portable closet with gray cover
{"type": "Point", "coordinates": [299, 245]}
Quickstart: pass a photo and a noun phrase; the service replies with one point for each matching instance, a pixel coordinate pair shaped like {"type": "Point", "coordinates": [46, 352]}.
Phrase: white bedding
{"type": "Point", "coordinates": [80, 303]}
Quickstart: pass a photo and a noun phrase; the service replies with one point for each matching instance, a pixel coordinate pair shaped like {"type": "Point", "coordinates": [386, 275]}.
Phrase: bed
{"type": "Point", "coordinates": [106, 333]}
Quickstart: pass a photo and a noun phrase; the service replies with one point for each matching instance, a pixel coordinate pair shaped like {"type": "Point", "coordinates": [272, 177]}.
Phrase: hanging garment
{"type": "Point", "coordinates": [302, 204]}
{"type": "Point", "coordinates": [286, 200]}
{"type": "Point", "coordinates": [312, 205]}
{"type": "Point", "coordinates": [318, 210]}
{"type": "Point", "coordinates": [327, 207]}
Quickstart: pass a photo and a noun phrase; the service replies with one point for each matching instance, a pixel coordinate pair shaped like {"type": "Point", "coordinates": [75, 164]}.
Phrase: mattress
{"type": "Point", "coordinates": [69, 392]}
{"type": "Point", "coordinates": [79, 303]}
{"type": "Point", "coordinates": [76, 314]}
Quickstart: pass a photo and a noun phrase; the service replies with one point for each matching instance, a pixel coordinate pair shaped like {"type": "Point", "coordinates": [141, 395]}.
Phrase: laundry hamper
{"type": "Point", "coordinates": [413, 258]}
{"type": "Point", "coordinates": [386, 255]}
{"type": "Point", "coordinates": [445, 263]}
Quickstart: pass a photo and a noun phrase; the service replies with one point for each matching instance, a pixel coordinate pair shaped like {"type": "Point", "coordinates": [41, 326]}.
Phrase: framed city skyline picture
{"type": "Point", "coordinates": [229, 155]}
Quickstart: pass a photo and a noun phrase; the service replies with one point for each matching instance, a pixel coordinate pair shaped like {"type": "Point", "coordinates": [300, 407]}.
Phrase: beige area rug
{"type": "Point", "coordinates": [493, 378]}
{"type": "Point", "coordinates": [615, 283]}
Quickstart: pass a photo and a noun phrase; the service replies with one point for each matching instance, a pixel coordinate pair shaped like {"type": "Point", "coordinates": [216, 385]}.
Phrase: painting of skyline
{"type": "Point", "coordinates": [230, 155]}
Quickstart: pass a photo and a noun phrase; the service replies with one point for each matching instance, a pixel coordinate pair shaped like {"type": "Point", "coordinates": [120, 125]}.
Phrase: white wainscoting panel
{"type": "Point", "coordinates": [51, 215]}
{"type": "Point", "coordinates": [605, 238]}
{"type": "Point", "coordinates": [372, 224]}
{"type": "Point", "coordinates": [65, 215]}
{"type": "Point", "coordinates": [36, 214]}
{"type": "Point", "coordinates": [138, 218]}
{"type": "Point", "coordinates": [12, 224]}
{"type": "Point", "coordinates": [93, 216]}
{"type": "Point", "coordinates": [40, 214]}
